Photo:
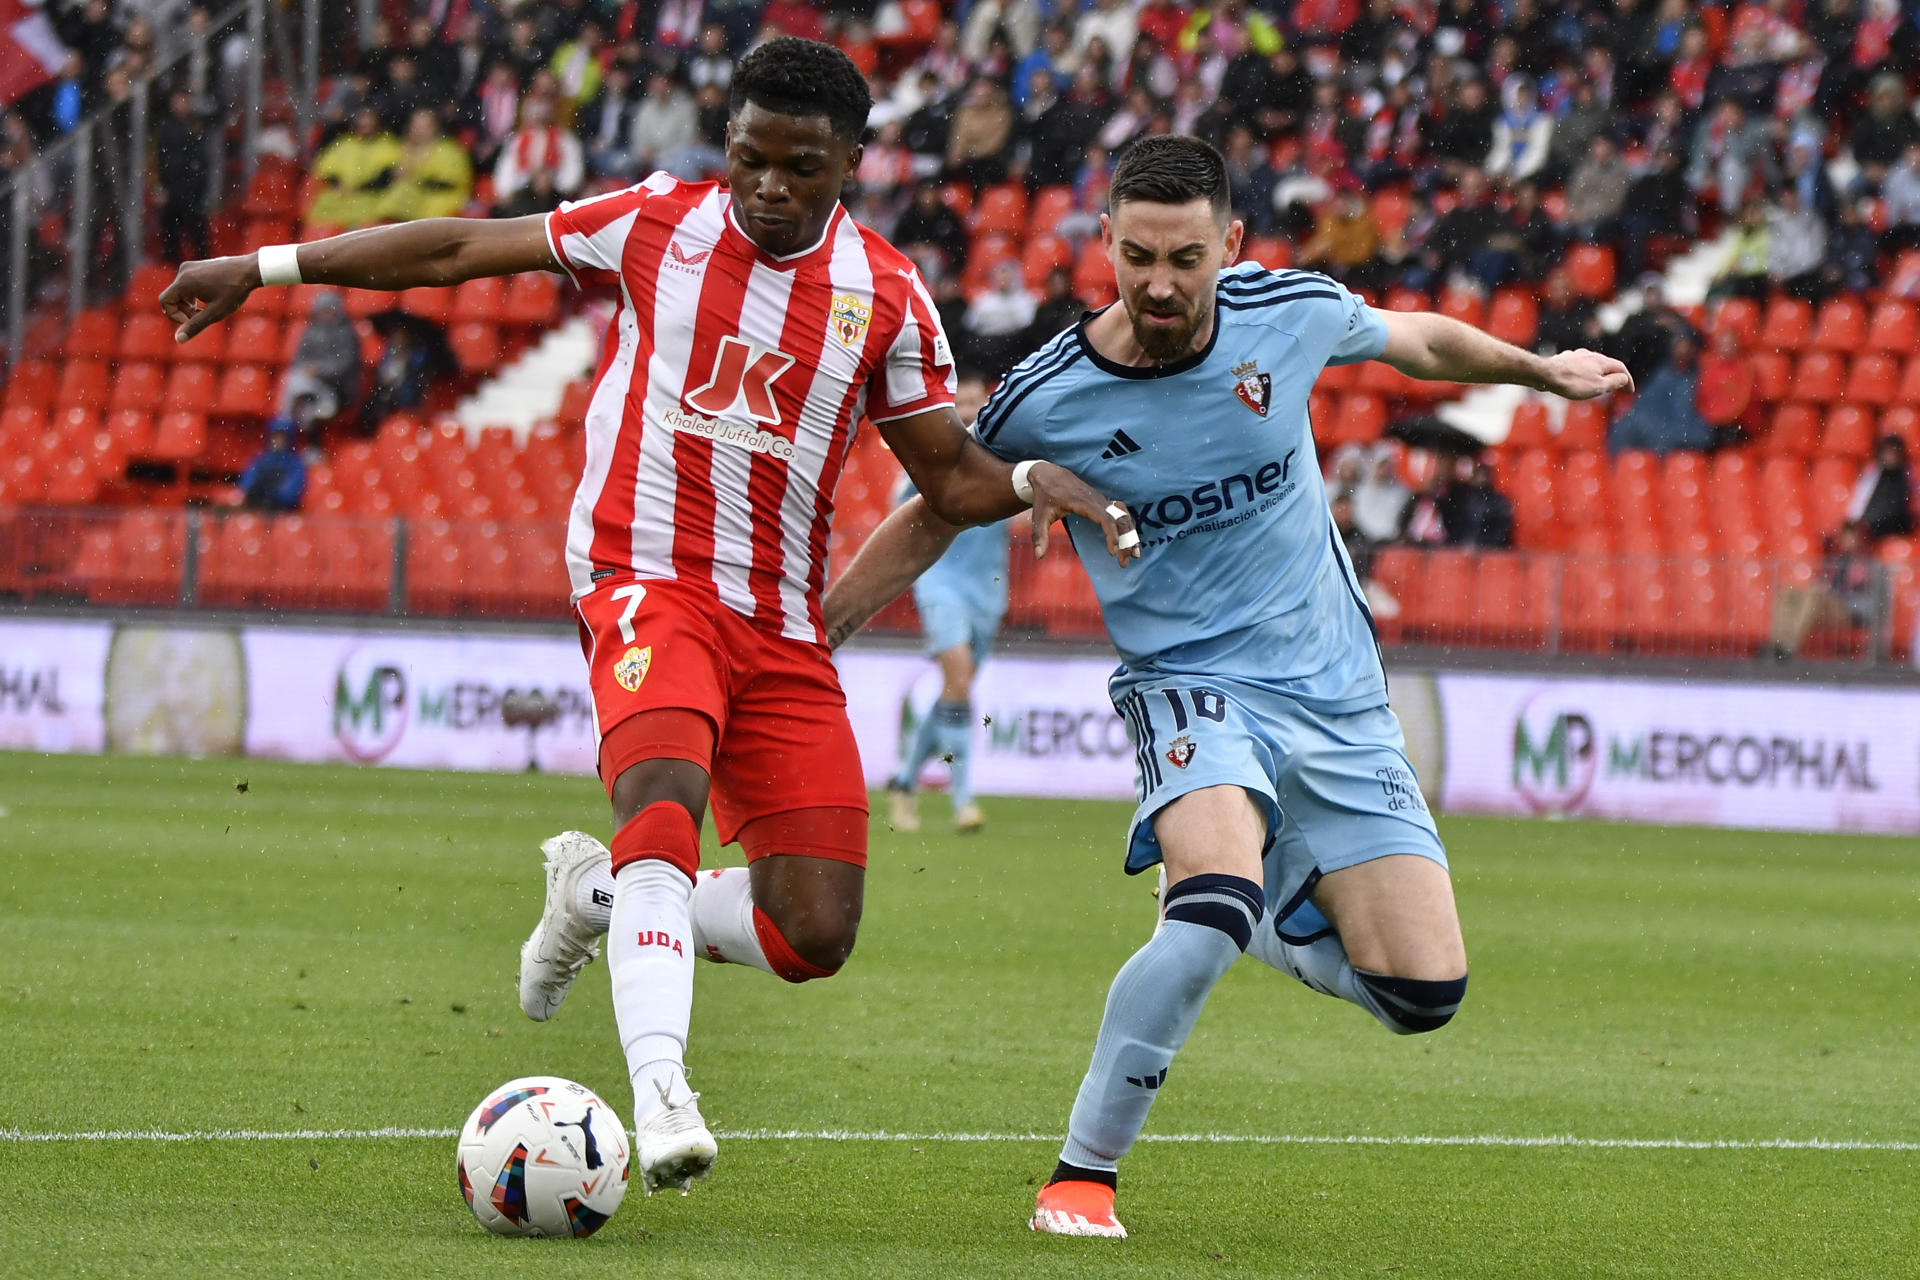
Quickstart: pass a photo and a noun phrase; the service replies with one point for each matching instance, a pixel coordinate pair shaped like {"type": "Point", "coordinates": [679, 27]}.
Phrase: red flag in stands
{"type": "Point", "coordinates": [30, 53]}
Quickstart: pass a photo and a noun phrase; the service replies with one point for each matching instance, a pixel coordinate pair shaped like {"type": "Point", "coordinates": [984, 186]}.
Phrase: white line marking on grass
{"type": "Point", "coordinates": [855, 1135]}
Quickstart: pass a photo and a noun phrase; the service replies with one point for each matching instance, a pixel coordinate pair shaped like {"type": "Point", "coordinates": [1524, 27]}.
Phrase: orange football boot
{"type": "Point", "coordinates": [1076, 1209]}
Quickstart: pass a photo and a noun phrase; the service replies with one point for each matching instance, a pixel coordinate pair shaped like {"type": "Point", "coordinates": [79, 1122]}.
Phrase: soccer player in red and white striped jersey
{"type": "Point", "coordinates": [758, 324]}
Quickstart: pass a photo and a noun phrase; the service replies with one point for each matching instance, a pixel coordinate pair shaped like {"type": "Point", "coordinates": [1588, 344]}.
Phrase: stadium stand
{"type": "Point", "coordinates": [118, 447]}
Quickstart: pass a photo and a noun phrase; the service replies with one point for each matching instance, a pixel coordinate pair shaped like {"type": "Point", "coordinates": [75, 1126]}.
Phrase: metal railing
{"type": "Point", "coordinates": [1513, 602]}
{"type": "Point", "coordinates": [103, 169]}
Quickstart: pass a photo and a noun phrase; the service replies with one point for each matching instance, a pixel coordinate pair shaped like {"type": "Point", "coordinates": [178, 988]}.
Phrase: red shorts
{"type": "Point", "coordinates": [782, 740]}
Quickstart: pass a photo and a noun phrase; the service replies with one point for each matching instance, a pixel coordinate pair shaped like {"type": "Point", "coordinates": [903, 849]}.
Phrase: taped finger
{"type": "Point", "coordinates": [1127, 540]}
{"type": "Point", "coordinates": [1117, 511]}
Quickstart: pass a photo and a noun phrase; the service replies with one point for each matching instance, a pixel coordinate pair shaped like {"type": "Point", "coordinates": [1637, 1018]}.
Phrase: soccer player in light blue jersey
{"type": "Point", "coordinates": [1273, 782]}
{"type": "Point", "coordinates": [961, 600]}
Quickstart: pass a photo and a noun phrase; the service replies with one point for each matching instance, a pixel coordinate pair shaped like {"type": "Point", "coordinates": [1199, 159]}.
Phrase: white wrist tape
{"type": "Point", "coordinates": [1022, 486]}
{"type": "Point", "coordinates": [279, 264]}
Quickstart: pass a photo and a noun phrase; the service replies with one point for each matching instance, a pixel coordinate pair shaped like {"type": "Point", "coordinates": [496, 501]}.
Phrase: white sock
{"type": "Point", "coordinates": [650, 957]}
{"type": "Point", "coordinates": [722, 915]}
{"type": "Point", "coordinates": [593, 895]}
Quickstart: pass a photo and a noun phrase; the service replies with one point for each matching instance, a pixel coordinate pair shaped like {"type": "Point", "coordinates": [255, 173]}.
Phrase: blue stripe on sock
{"type": "Point", "coordinates": [1231, 904]}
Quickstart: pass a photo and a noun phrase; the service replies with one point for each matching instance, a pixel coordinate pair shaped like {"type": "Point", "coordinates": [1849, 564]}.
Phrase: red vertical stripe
{"type": "Point", "coordinates": [723, 293]}
{"type": "Point", "coordinates": [639, 269]}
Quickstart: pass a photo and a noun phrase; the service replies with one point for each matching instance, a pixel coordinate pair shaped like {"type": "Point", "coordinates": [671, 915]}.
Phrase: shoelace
{"type": "Point", "coordinates": [677, 1117]}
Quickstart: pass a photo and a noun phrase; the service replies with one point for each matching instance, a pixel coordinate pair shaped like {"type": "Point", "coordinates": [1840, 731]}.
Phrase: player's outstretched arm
{"type": "Point", "coordinates": [1422, 344]}
{"type": "Point", "coordinates": [430, 252]}
{"type": "Point", "coordinates": [965, 484]}
{"type": "Point", "coordinates": [905, 546]}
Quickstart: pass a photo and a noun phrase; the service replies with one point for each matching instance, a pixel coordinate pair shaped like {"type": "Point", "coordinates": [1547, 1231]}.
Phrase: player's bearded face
{"type": "Point", "coordinates": [785, 173]}
{"type": "Point", "coordinates": [1167, 260]}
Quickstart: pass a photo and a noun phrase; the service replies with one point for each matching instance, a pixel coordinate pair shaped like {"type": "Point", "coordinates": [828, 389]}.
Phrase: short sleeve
{"type": "Point", "coordinates": [917, 373]}
{"type": "Point", "coordinates": [1362, 333]}
{"type": "Point", "coordinates": [589, 237]}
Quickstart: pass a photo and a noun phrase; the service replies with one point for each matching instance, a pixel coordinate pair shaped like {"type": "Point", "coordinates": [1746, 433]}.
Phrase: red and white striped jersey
{"type": "Point", "coordinates": [729, 385]}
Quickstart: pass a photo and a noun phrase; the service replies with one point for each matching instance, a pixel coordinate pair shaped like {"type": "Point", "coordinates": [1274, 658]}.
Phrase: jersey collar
{"type": "Point", "coordinates": [791, 260]}
{"type": "Point", "coordinates": [1191, 360]}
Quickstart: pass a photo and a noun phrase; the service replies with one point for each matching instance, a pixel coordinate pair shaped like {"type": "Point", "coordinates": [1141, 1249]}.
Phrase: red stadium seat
{"type": "Point", "coordinates": [1829, 490]}
{"type": "Point", "coordinates": [1590, 270]}
{"type": "Point", "coordinates": [136, 386]}
{"type": "Point", "coordinates": [1050, 205]}
{"type": "Point", "coordinates": [148, 335]}
{"type": "Point", "coordinates": [435, 305]}
{"type": "Point", "coordinates": [179, 437]}
{"type": "Point", "coordinates": [1772, 375]}
{"type": "Point", "coordinates": [1788, 327]}
{"type": "Point", "coordinates": [132, 430]}
{"type": "Point", "coordinates": [1842, 327]}
{"type": "Point", "coordinates": [1874, 380]}
{"type": "Point", "coordinates": [246, 391]}
{"type": "Point", "coordinates": [476, 347]}
{"type": "Point", "coordinates": [533, 299]}
{"type": "Point", "coordinates": [1514, 317]}
{"type": "Point", "coordinates": [1002, 211]}
{"type": "Point", "coordinates": [190, 389]}
{"type": "Point", "coordinates": [84, 382]}
{"type": "Point", "coordinates": [95, 334]}
{"type": "Point", "coordinates": [1093, 275]}
{"type": "Point", "coordinates": [252, 338]}
{"type": "Point", "coordinates": [1902, 420]}
{"type": "Point", "coordinates": [482, 301]}
{"type": "Point", "coordinates": [1045, 254]}
{"type": "Point", "coordinates": [1819, 378]}
{"type": "Point", "coordinates": [1893, 328]}
{"type": "Point", "coordinates": [1741, 316]}
{"type": "Point", "coordinates": [1795, 431]}
{"type": "Point", "coordinates": [144, 288]}
{"type": "Point", "coordinates": [1463, 305]}
{"type": "Point", "coordinates": [33, 384]}
{"type": "Point", "coordinates": [1849, 432]}
{"type": "Point", "coordinates": [1392, 209]}
{"type": "Point", "coordinates": [1360, 419]}
{"type": "Point", "coordinates": [1585, 426]}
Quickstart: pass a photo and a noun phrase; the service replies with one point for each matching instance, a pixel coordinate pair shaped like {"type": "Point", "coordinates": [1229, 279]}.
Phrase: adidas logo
{"type": "Point", "coordinates": [1119, 447]}
{"type": "Point", "coordinates": [1160, 1077]}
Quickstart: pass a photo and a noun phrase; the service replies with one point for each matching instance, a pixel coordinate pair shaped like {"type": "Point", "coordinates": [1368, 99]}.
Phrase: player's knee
{"type": "Point", "coordinates": [808, 941]}
{"type": "Point", "coordinates": [1410, 1006]}
{"type": "Point", "coordinates": [664, 831]}
{"type": "Point", "coordinates": [1231, 904]}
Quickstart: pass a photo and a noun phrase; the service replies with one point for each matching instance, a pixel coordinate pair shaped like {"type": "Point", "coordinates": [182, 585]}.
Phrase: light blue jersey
{"type": "Point", "coordinates": [1250, 657]}
{"type": "Point", "coordinates": [1241, 573]}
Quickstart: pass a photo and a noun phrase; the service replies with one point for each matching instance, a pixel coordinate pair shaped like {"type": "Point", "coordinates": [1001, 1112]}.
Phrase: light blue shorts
{"type": "Point", "coordinates": [1338, 789]}
{"type": "Point", "coordinates": [948, 622]}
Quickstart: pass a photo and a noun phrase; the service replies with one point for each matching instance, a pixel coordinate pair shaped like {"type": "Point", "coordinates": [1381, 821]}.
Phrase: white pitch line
{"type": "Point", "coordinates": [854, 1135]}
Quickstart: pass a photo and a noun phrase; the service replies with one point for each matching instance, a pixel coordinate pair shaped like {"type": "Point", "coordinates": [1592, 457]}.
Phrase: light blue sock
{"type": "Point", "coordinates": [956, 747]}
{"type": "Point", "coordinates": [1151, 1008]}
{"type": "Point", "coordinates": [926, 741]}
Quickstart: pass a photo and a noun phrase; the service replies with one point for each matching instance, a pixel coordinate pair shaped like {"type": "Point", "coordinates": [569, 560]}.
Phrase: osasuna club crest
{"type": "Point", "coordinates": [1180, 751]}
{"type": "Point", "coordinates": [1254, 388]}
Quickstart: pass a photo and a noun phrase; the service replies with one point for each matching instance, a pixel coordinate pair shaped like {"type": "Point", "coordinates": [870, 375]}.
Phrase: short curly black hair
{"type": "Point", "coordinates": [793, 77]}
{"type": "Point", "coordinates": [1170, 169]}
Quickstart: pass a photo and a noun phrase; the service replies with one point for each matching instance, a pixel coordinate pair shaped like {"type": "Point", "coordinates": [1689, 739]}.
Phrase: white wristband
{"type": "Point", "coordinates": [1022, 486]}
{"type": "Point", "coordinates": [279, 264]}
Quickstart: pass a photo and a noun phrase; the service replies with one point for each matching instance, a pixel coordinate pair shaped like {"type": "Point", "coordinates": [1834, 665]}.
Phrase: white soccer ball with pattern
{"type": "Point", "coordinates": [543, 1156]}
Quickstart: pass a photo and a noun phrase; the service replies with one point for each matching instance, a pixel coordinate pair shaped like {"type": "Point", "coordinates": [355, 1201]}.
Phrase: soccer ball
{"type": "Point", "coordinates": [543, 1156]}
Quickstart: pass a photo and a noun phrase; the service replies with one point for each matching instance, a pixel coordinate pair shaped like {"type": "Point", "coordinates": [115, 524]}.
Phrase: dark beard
{"type": "Point", "coordinates": [1162, 346]}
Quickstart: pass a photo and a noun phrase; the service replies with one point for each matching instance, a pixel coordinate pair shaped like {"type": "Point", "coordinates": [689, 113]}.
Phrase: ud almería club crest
{"type": "Point", "coordinates": [1254, 388]}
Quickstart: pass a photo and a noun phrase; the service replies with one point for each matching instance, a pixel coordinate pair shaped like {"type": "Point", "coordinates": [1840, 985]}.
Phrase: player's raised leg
{"type": "Point", "coordinates": [1380, 930]}
{"type": "Point", "coordinates": [1211, 841]}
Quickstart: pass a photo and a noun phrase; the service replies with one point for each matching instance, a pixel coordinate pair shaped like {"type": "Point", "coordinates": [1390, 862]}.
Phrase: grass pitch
{"type": "Point", "coordinates": [333, 950]}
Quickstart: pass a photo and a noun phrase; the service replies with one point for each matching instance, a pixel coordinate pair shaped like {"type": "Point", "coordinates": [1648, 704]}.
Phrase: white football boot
{"type": "Point", "coordinates": [562, 944]}
{"type": "Point", "coordinates": [672, 1144]}
{"type": "Point", "coordinates": [903, 810]}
